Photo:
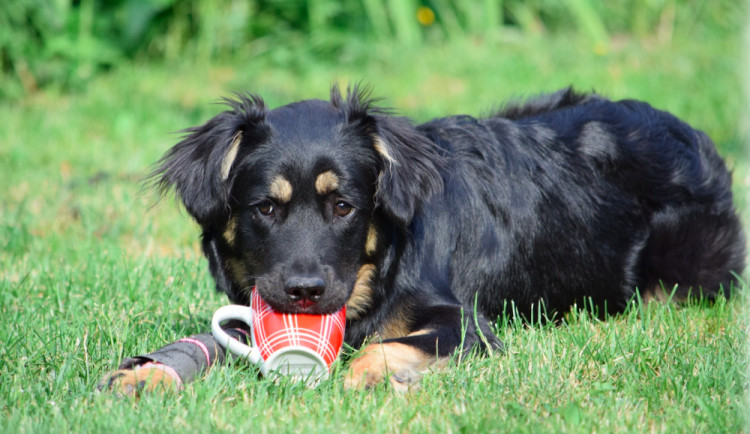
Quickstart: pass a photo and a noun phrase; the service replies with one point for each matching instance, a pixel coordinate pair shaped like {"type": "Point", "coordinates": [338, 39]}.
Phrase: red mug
{"type": "Point", "coordinates": [297, 345]}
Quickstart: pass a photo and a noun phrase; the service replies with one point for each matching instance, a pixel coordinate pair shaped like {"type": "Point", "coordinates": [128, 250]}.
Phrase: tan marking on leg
{"type": "Point", "coordinates": [134, 382]}
{"type": "Point", "coordinates": [382, 149]}
{"type": "Point", "coordinates": [402, 365]}
{"type": "Point", "coordinates": [655, 296]}
{"type": "Point", "coordinates": [281, 189]}
{"type": "Point", "coordinates": [231, 155]}
{"type": "Point", "coordinates": [660, 294]}
{"type": "Point", "coordinates": [230, 231]}
{"type": "Point", "coordinates": [421, 332]}
{"type": "Point", "coordinates": [327, 182]}
{"type": "Point", "coordinates": [361, 297]}
{"type": "Point", "coordinates": [397, 326]}
{"type": "Point", "coordinates": [371, 245]}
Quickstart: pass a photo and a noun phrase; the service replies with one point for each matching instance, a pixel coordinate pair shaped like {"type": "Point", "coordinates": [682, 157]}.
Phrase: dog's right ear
{"type": "Point", "coordinates": [199, 167]}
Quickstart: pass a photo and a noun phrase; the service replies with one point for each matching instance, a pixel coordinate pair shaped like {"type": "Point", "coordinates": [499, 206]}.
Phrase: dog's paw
{"type": "Point", "coordinates": [135, 381]}
{"type": "Point", "coordinates": [401, 365]}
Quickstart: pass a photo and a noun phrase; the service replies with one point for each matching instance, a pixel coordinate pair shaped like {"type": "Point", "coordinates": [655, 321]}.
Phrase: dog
{"type": "Point", "coordinates": [429, 233]}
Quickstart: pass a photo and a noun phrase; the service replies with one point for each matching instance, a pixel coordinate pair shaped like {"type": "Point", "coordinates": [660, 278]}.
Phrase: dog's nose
{"type": "Point", "coordinates": [304, 291]}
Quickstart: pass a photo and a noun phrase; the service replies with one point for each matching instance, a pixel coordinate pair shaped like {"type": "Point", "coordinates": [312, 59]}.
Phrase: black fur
{"type": "Point", "coordinates": [567, 199]}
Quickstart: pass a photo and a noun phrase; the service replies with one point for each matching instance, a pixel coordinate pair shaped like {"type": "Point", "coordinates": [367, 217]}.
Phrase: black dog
{"type": "Point", "coordinates": [566, 200]}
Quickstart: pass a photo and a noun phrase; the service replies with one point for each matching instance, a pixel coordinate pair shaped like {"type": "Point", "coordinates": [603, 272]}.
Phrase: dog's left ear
{"type": "Point", "coordinates": [411, 168]}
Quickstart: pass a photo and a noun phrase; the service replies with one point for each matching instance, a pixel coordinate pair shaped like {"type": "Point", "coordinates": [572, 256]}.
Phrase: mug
{"type": "Point", "coordinates": [297, 345]}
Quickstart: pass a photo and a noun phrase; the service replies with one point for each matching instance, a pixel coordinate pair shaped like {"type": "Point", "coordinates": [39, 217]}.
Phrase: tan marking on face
{"type": "Point", "coordinates": [281, 189]}
{"type": "Point", "coordinates": [382, 149]}
{"type": "Point", "coordinates": [361, 297]}
{"type": "Point", "coordinates": [371, 244]}
{"type": "Point", "coordinates": [327, 182]}
{"type": "Point", "coordinates": [400, 364]}
{"type": "Point", "coordinates": [231, 155]}
{"type": "Point", "coordinates": [230, 232]}
{"type": "Point", "coordinates": [237, 271]}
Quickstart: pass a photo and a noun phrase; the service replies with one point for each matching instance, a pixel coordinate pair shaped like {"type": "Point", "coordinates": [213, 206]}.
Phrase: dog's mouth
{"type": "Point", "coordinates": [305, 304]}
{"type": "Point", "coordinates": [320, 300]}
{"type": "Point", "coordinates": [308, 307]}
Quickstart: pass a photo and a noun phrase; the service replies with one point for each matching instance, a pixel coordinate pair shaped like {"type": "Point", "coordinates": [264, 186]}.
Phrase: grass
{"type": "Point", "coordinates": [92, 270]}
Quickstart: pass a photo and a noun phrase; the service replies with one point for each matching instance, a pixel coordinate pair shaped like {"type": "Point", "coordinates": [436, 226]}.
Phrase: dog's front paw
{"type": "Point", "coordinates": [400, 364]}
{"type": "Point", "coordinates": [146, 378]}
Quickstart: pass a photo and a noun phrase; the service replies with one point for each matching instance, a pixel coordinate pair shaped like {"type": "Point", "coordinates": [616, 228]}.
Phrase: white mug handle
{"type": "Point", "coordinates": [238, 312]}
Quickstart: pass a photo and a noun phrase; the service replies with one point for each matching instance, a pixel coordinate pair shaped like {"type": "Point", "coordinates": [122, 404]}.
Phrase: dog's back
{"type": "Point", "coordinates": [545, 103]}
{"type": "Point", "coordinates": [572, 199]}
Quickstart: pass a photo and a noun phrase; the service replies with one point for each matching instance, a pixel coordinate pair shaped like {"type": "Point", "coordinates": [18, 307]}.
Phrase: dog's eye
{"type": "Point", "coordinates": [342, 209]}
{"type": "Point", "coordinates": [266, 208]}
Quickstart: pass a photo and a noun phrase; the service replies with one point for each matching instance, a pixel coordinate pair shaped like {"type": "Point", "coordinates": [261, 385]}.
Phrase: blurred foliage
{"type": "Point", "coordinates": [63, 43]}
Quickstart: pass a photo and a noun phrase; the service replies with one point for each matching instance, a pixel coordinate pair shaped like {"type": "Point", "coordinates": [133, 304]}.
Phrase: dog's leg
{"type": "Point", "coordinates": [403, 360]}
{"type": "Point", "coordinates": [402, 364]}
{"type": "Point", "coordinates": [169, 367]}
{"type": "Point", "coordinates": [141, 378]}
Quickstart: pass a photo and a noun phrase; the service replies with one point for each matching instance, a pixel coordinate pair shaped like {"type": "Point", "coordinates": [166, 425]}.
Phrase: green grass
{"type": "Point", "coordinates": [91, 270]}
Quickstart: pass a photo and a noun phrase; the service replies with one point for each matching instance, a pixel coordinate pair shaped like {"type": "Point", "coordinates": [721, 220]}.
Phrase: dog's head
{"type": "Point", "coordinates": [297, 200]}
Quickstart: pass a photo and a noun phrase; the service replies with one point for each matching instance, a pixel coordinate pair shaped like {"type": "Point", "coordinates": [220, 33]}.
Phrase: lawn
{"type": "Point", "coordinates": [93, 268]}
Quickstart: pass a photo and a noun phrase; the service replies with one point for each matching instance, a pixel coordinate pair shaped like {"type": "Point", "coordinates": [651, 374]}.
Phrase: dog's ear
{"type": "Point", "coordinates": [199, 167]}
{"type": "Point", "coordinates": [411, 164]}
{"type": "Point", "coordinates": [411, 170]}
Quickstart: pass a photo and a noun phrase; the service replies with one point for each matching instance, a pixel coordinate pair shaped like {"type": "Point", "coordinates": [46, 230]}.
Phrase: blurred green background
{"type": "Point", "coordinates": [64, 43]}
{"type": "Point", "coordinates": [92, 91]}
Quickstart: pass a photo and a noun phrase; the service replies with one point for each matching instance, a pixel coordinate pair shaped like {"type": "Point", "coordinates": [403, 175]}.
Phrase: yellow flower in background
{"type": "Point", "coordinates": [600, 48]}
{"type": "Point", "coordinates": [425, 16]}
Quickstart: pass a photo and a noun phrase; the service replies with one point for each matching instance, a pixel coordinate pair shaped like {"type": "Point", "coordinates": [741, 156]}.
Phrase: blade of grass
{"type": "Point", "coordinates": [405, 24]}
{"type": "Point", "coordinates": [378, 19]}
{"type": "Point", "coordinates": [447, 16]}
{"type": "Point", "coordinates": [589, 22]}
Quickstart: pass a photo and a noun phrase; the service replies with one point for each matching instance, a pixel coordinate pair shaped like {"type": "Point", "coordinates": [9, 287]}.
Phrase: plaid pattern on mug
{"type": "Point", "coordinates": [273, 331]}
